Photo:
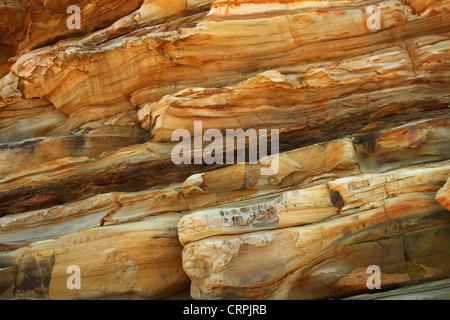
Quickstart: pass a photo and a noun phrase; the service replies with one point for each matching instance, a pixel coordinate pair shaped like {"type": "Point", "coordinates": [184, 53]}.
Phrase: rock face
{"type": "Point", "coordinates": [351, 200]}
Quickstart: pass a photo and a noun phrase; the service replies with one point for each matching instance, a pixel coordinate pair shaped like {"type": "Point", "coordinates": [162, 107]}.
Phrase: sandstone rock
{"type": "Point", "coordinates": [245, 181]}
{"type": "Point", "coordinates": [137, 260]}
{"type": "Point", "coordinates": [436, 290]}
{"type": "Point", "coordinates": [8, 273]}
{"type": "Point", "coordinates": [443, 195]}
{"type": "Point", "coordinates": [88, 177]}
{"type": "Point", "coordinates": [359, 175]}
{"type": "Point", "coordinates": [384, 220]}
{"type": "Point", "coordinates": [276, 101]}
{"type": "Point", "coordinates": [27, 119]}
{"type": "Point", "coordinates": [72, 83]}
{"type": "Point", "coordinates": [33, 24]}
{"type": "Point", "coordinates": [413, 143]}
{"type": "Point", "coordinates": [304, 206]}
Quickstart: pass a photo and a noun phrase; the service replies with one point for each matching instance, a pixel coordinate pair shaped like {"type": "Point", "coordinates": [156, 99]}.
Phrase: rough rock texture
{"type": "Point", "coordinates": [87, 177]}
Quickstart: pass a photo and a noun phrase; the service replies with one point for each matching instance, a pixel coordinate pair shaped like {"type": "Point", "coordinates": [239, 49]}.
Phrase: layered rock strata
{"type": "Point", "coordinates": [87, 176]}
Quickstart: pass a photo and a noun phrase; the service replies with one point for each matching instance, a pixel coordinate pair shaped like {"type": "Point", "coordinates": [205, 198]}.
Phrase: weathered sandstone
{"type": "Point", "coordinates": [381, 221]}
{"type": "Point", "coordinates": [137, 260]}
{"type": "Point", "coordinates": [359, 116]}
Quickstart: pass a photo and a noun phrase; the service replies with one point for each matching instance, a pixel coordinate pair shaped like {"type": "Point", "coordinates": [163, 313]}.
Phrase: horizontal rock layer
{"type": "Point", "coordinates": [87, 176]}
{"type": "Point", "coordinates": [137, 260]}
{"type": "Point", "coordinates": [381, 219]}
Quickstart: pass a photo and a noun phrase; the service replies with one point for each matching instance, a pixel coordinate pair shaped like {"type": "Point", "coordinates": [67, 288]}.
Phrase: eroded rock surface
{"type": "Point", "coordinates": [87, 176]}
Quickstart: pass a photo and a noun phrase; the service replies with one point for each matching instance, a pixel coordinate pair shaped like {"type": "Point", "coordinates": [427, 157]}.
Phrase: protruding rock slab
{"type": "Point", "coordinates": [135, 260]}
{"type": "Point", "coordinates": [390, 220]}
{"type": "Point", "coordinates": [295, 168]}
